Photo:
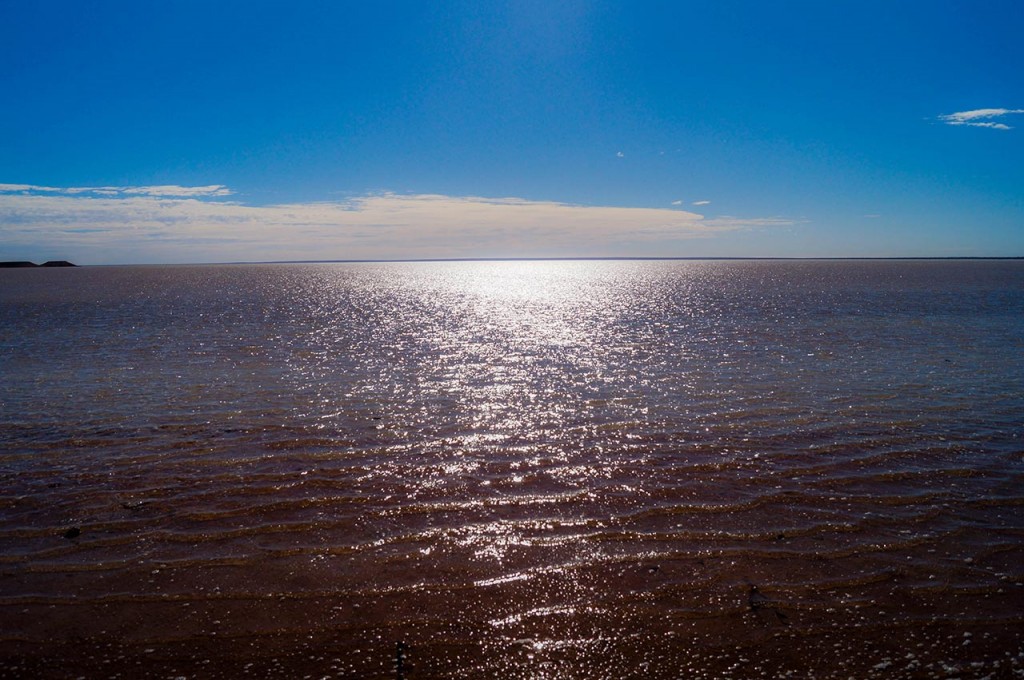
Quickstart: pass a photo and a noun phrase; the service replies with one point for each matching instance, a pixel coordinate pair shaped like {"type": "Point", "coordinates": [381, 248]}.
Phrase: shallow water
{"type": "Point", "coordinates": [515, 469]}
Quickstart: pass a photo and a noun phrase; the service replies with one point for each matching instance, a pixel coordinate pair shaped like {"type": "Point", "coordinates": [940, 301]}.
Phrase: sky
{"type": "Point", "coordinates": [173, 132]}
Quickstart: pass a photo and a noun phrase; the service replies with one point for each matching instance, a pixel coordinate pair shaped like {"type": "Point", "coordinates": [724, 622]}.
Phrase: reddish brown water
{"type": "Point", "coordinates": [515, 470]}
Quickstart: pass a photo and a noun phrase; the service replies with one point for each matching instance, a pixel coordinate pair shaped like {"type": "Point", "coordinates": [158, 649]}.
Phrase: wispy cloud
{"type": "Point", "coordinates": [175, 190]}
{"type": "Point", "coordinates": [677, 202]}
{"type": "Point", "coordinates": [155, 224]}
{"type": "Point", "coordinates": [701, 202]}
{"type": "Point", "coordinates": [980, 118]}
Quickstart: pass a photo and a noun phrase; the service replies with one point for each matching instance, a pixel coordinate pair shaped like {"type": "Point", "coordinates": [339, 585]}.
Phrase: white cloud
{"type": "Point", "coordinates": [701, 202]}
{"type": "Point", "coordinates": [6, 188]}
{"type": "Point", "coordinates": [160, 190]}
{"type": "Point", "coordinates": [979, 118]}
{"type": "Point", "coordinates": [677, 202]}
{"type": "Point", "coordinates": [727, 223]}
{"type": "Point", "coordinates": [994, 126]}
{"type": "Point", "coordinates": [153, 224]}
{"type": "Point", "coordinates": [620, 155]}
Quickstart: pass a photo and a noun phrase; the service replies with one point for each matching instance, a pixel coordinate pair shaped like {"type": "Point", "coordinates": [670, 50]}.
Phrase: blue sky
{"type": "Point", "coordinates": [212, 131]}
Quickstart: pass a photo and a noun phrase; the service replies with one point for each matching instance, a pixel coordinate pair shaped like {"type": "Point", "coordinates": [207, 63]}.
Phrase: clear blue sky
{"type": "Point", "coordinates": [210, 131]}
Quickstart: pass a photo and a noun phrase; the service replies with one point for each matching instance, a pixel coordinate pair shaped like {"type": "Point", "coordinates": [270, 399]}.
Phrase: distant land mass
{"type": "Point", "coordinates": [51, 263]}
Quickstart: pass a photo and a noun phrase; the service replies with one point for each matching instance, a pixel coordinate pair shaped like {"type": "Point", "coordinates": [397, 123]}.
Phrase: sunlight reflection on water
{"type": "Point", "coordinates": [522, 469]}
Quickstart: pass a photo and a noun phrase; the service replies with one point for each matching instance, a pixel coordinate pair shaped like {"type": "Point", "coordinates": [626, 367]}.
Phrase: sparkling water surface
{"type": "Point", "coordinates": [692, 469]}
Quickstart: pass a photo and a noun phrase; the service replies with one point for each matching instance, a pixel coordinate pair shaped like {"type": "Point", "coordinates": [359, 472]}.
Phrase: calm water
{"type": "Point", "coordinates": [517, 470]}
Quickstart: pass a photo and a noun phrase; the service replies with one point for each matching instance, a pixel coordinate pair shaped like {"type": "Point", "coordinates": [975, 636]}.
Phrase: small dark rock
{"type": "Point", "coordinates": [73, 532]}
{"type": "Point", "coordinates": [755, 600]}
{"type": "Point", "coordinates": [763, 606]}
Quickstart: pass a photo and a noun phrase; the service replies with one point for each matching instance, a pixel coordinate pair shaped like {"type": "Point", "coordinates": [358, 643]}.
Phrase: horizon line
{"type": "Point", "coordinates": [640, 258]}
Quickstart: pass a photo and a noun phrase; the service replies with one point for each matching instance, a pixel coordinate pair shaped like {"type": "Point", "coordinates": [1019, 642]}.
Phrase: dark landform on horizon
{"type": "Point", "coordinates": [25, 263]}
